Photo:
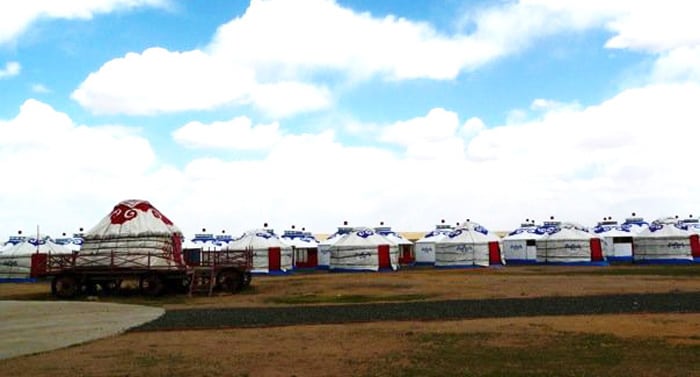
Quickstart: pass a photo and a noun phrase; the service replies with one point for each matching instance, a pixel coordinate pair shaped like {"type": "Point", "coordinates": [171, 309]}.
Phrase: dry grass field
{"type": "Point", "coordinates": [605, 345]}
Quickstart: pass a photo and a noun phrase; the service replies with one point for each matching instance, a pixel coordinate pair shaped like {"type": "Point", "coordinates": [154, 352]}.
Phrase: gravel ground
{"type": "Point", "coordinates": [425, 310]}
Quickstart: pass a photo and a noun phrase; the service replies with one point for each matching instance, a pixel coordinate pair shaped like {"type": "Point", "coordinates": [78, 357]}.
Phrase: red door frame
{"type": "Point", "coordinates": [384, 257]}
{"type": "Point", "coordinates": [274, 256]}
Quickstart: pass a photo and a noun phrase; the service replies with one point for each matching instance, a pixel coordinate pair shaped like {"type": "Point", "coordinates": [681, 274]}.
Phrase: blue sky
{"type": "Point", "coordinates": [228, 114]}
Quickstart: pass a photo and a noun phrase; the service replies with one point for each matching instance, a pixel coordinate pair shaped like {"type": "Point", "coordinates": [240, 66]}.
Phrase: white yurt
{"type": "Point", "coordinates": [134, 234]}
{"type": "Point", "coordinates": [469, 245]}
{"type": "Point", "coordinates": [666, 240]}
{"type": "Point", "coordinates": [568, 244]}
{"type": "Point", "coordinates": [16, 261]}
{"type": "Point", "coordinates": [304, 246]}
{"type": "Point", "coordinates": [406, 247]}
{"type": "Point", "coordinates": [425, 247]}
{"type": "Point", "coordinates": [271, 255]}
{"type": "Point", "coordinates": [324, 247]}
{"type": "Point", "coordinates": [617, 240]}
{"type": "Point", "coordinates": [363, 249]}
{"type": "Point", "coordinates": [520, 245]}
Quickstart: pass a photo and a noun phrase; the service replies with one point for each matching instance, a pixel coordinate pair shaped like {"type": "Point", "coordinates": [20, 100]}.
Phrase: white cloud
{"type": "Point", "coordinates": [633, 152]}
{"type": "Point", "coordinates": [303, 49]}
{"type": "Point", "coordinates": [430, 137]}
{"type": "Point", "coordinates": [11, 69]}
{"type": "Point", "coordinates": [238, 133]}
{"type": "Point", "coordinates": [16, 17]}
{"type": "Point", "coordinates": [159, 80]}
{"type": "Point", "coordinates": [40, 88]}
{"type": "Point", "coordinates": [54, 170]}
{"type": "Point", "coordinates": [678, 65]}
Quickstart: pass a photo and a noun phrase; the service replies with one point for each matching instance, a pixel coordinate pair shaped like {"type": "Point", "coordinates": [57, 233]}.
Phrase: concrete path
{"type": "Point", "coordinates": [28, 327]}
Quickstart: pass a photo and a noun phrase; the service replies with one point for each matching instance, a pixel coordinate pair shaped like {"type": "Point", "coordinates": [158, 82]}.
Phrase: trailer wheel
{"type": "Point", "coordinates": [247, 278]}
{"type": "Point", "coordinates": [230, 280]}
{"type": "Point", "coordinates": [65, 286]}
{"type": "Point", "coordinates": [151, 285]}
{"type": "Point", "coordinates": [110, 286]}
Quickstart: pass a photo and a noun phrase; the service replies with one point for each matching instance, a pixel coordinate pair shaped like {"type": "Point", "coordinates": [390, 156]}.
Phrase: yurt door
{"type": "Point", "coordinates": [384, 258]}
{"type": "Point", "coordinates": [695, 245]}
{"type": "Point", "coordinates": [494, 253]}
{"type": "Point", "coordinates": [596, 250]}
{"type": "Point", "coordinates": [312, 257]}
{"type": "Point", "coordinates": [274, 256]}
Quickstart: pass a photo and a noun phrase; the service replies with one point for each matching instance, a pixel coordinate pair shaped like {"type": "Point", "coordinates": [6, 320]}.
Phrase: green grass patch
{"type": "Point", "coordinates": [344, 299]}
{"type": "Point", "coordinates": [556, 354]}
{"type": "Point", "coordinates": [692, 270]}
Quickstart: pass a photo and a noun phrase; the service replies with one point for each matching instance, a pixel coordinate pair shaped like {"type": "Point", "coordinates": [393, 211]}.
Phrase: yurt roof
{"type": "Point", "coordinates": [392, 236]}
{"type": "Point", "coordinates": [526, 231]}
{"type": "Point", "coordinates": [610, 228]}
{"type": "Point", "coordinates": [665, 227]}
{"type": "Point", "coordinates": [300, 239]}
{"type": "Point", "coordinates": [469, 232]}
{"type": "Point", "coordinates": [564, 231]}
{"type": "Point", "coordinates": [333, 238]}
{"type": "Point", "coordinates": [362, 236]}
{"type": "Point", "coordinates": [257, 239]}
{"type": "Point", "coordinates": [14, 240]}
{"type": "Point", "coordinates": [133, 217]}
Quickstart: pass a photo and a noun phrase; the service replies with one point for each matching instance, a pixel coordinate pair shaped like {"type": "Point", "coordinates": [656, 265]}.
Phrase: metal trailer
{"type": "Point", "coordinates": [87, 273]}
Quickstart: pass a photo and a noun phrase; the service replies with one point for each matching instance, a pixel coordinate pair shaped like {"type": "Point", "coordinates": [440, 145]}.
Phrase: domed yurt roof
{"type": "Point", "coordinates": [526, 231]}
{"type": "Point", "coordinates": [361, 236]}
{"type": "Point", "coordinates": [665, 227]}
{"type": "Point", "coordinates": [131, 218]}
{"type": "Point", "coordinates": [610, 228]}
{"type": "Point", "coordinates": [299, 238]}
{"type": "Point", "coordinates": [470, 232]}
{"type": "Point", "coordinates": [392, 236]}
{"type": "Point", "coordinates": [257, 239]}
{"type": "Point", "coordinates": [441, 230]}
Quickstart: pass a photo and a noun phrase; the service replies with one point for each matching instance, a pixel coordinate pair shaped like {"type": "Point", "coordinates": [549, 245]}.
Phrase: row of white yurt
{"type": "Point", "coordinates": [469, 245]}
{"type": "Point", "coordinates": [425, 247]}
{"type": "Point", "coordinates": [16, 255]}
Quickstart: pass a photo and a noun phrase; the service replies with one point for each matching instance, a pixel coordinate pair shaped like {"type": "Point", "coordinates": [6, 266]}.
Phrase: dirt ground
{"type": "Point", "coordinates": [326, 350]}
{"type": "Point", "coordinates": [511, 282]}
{"type": "Point", "coordinates": [387, 348]}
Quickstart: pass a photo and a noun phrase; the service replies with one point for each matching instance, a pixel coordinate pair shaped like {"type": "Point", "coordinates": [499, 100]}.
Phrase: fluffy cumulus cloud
{"type": "Point", "coordinates": [11, 69]}
{"type": "Point", "coordinates": [299, 45]}
{"type": "Point", "coordinates": [632, 152]}
{"type": "Point", "coordinates": [238, 133]}
{"type": "Point", "coordinates": [54, 169]}
{"type": "Point", "coordinates": [16, 17]}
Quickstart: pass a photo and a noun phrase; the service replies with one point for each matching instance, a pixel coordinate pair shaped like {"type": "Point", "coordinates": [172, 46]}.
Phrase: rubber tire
{"type": "Point", "coordinates": [247, 279]}
{"type": "Point", "coordinates": [110, 287]}
{"type": "Point", "coordinates": [151, 285]}
{"type": "Point", "coordinates": [230, 280]}
{"type": "Point", "coordinates": [65, 286]}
